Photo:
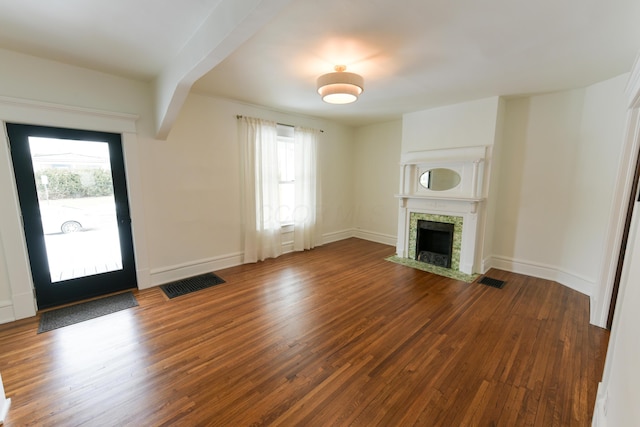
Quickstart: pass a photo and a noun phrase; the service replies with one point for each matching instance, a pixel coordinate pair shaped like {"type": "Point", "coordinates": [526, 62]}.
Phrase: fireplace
{"type": "Point", "coordinates": [458, 245]}
{"type": "Point", "coordinates": [434, 243]}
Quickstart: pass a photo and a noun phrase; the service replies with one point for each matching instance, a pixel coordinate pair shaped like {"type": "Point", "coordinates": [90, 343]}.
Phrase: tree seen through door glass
{"type": "Point", "coordinates": [77, 206]}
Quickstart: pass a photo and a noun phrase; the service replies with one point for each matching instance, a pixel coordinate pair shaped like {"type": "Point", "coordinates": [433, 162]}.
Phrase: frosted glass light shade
{"type": "Point", "coordinates": [340, 87]}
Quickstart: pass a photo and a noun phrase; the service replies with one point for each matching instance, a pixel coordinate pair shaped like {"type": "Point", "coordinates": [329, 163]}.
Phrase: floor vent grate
{"type": "Point", "coordinates": [191, 284]}
{"type": "Point", "coordinates": [494, 283]}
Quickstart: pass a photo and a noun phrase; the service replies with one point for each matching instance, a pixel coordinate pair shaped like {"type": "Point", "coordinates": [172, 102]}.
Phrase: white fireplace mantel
{"type": "Point", "coordinates": [464, 200]}
{"type": "Point", "coordinates": [470, 204]}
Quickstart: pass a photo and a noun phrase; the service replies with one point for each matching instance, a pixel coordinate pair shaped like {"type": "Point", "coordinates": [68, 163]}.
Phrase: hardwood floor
{"type": "Point", "coordinates": [333, 336]}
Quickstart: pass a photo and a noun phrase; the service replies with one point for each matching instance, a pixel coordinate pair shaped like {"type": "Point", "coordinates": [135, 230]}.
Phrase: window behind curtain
{"type": "Point", "coordinates": [286, 173]}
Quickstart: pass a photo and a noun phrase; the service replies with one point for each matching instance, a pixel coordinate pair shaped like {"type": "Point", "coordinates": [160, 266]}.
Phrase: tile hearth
{"type": "Point", "coordinates": [441, 271]}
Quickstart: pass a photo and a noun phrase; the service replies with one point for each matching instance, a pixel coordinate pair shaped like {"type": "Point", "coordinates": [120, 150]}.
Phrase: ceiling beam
{"type": "Point", "coordinates": [230, 24]}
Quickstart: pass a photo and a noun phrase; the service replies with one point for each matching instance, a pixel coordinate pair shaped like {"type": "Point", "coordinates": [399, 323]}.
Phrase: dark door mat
{"type": "Point", "coordinates": [190, 284]}
{"type": "Point", "coordinates": [494, 283]}
{"type": "Point", "coordinates": [66, 316]}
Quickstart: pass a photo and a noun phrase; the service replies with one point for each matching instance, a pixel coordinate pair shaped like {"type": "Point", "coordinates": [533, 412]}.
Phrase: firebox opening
{"type": "Point", "coordinates": [434, 243]}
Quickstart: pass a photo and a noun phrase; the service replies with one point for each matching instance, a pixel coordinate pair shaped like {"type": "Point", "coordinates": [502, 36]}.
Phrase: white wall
{"type": "Point", "coordinates": [466, 124]}
{"type": "Point", "coordinates": [195, 178]}
{"type": "Point", "coordinates": [30, 78]}
{"type": "Point", "coordinates": [376, 179]}
{"type": "Point", "coordinates": [561, 154]}
{"type": "Point", "coordinates": [541, 143]}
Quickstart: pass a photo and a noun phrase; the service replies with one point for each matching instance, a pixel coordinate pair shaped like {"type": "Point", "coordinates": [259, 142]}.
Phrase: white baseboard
{"type": "Point", "coordinates": [4, 403]}
{"type": "Point", "coordinates": [144, 278]}
{"type": "Point", "coordinates": [172, 273]}
{"type": "Point", "coordinates": [6, 312]}
{"type": "Point", "coordinates": [373, 236]}
{"type": "Point", "coordinates": [485, 265]}
{"type": "Point", "coordinates": [4, 409]}
{"type": "Point", "coordinates": [160, 276]}
{"type": "Point", "coordinates": [600, 409]}
{"type": "Point", "coordinates": [337, 236]}
{"type": "Point", "coordinates": [287, 247]}
{"type": "Point", "coordinates": [548, 272]}
{"type": "Point", "coordinates": [24, 305]}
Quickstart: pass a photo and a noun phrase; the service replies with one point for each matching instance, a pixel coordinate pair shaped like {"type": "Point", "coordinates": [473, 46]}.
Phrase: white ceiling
{"type": "Point", "coordinates": [413, 54]}
{"type": "Point", "coordinates": [134, 38]}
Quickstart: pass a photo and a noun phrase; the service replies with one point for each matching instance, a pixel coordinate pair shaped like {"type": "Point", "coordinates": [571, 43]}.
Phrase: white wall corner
{"type": "Point", "coordinates": [486, 264]}
{"type": "Point", "coordinates": [338, 235]}
{"type": "Point", "coordinates": [229, 25]}
{"type": "Point", "coordinates": [143, 276]}
{"type": "Point", "coordinates": [373, 236]}
{"type": "Point", "coordinates": [547, 272]}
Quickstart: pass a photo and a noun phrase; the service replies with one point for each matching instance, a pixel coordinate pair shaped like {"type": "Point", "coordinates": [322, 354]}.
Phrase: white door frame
{"type": "Point", "coordinates": [22, 303]}
{"type": "Point", "coordinates": [601, 300]}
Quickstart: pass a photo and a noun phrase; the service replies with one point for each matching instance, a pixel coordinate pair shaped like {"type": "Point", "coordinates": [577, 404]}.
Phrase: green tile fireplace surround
{"type": "Point", "coordinates": [453, 272]}
{"type": "Point", "coordinates": [448, 219]}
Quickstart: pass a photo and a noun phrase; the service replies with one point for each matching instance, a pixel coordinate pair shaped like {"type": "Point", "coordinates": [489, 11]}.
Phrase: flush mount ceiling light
{"type": "Point", "coordinates": [340, 87]}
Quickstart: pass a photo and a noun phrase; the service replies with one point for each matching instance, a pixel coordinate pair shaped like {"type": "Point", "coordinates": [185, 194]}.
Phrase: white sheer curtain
{"type": "Point", "coordinates": [307, 219]}
{"type": "Point", "coordinates": [259, 156]}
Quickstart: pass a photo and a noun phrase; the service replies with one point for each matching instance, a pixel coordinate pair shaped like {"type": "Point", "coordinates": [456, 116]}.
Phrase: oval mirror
{"type": "Point", "coordinates": [440, 179]}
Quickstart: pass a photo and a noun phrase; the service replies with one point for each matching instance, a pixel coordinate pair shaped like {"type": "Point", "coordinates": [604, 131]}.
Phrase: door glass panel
{"type": "Point", "coordinates": [77, 206]}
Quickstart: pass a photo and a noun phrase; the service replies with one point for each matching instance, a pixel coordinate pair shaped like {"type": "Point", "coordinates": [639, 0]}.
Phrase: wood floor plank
{"type": "Point", "coordinates": [332, 336]}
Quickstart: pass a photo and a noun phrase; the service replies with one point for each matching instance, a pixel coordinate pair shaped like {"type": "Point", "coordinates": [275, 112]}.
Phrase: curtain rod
{"type": "Point", "coordinates": [239, 116]}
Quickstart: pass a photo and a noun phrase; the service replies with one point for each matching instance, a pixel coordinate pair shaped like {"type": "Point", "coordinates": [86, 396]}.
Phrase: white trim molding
{"type": "Point", "coordinates": [338, 235]}
{"type": "Point", "coordinates": [160, 276]}
{"type": "Point", "coordinates": [621, 195]}
{"type": "Point", "coordinates": [467, 162]}
{"type": "Point", "coordinates": [4, 403]}
{"type": "Point", "coordinates": [633, 85]}
{"type": "Point", "coordinates": [6, 312]}
{"type": "Point", "coordinates": [616, 399]}
{"type": "Point", "coordinates": [543, 271]}
{"type": "Point", "coordinates": [372, 236]}
{"type": "Point", "coordinates": [51, 114]}
{"type": "Point", "coordinates": [600, 408]}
